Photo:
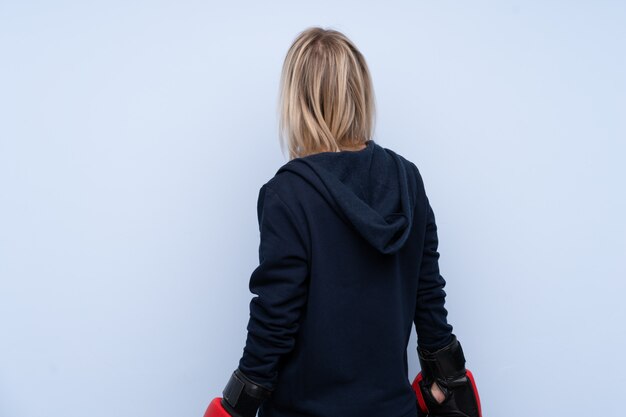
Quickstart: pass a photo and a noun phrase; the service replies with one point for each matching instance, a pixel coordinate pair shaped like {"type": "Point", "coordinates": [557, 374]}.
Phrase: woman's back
{"type": "Point", "coordinates": [348, 263]}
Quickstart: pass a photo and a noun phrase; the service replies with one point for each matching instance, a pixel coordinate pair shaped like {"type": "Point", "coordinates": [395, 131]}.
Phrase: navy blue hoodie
{"type": "Point", "coordinates": [348, 262]}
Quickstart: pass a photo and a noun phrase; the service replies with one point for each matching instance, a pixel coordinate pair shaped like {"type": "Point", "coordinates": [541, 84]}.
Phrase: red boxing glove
{"type": "Point", "coordinates": [446, 367]}
{"type": "Point", "coordinates": [242, 398]}
{"type": "Point", "coordinates": [216, 409]}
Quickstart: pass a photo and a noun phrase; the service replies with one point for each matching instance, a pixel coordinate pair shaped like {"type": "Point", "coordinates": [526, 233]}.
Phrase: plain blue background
{"type": "Point", "coordinates": [134, 137]}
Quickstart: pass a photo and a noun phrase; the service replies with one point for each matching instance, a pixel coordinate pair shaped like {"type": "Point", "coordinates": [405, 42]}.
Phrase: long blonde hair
{"type": "Point", "coordinates": [326, 99]}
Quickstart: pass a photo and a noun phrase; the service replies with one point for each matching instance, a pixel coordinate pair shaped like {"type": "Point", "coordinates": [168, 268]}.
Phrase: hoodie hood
{"type": "Point", "coordinates": [371, 189]}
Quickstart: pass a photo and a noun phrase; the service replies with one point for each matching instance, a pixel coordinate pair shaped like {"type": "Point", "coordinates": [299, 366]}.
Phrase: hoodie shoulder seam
{"type": "Point", "coordinates": [290, 211]}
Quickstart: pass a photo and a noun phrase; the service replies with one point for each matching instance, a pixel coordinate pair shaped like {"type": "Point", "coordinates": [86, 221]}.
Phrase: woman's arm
{"type": "Point", "coordinates": [444, 386]}
{"type": "Point", "coordinates": [280, 285]}
{"type": "Point", "coordinates": [433, 330]}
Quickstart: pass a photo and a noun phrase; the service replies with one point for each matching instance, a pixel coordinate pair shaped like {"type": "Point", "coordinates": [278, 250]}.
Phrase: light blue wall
{"type": "Point", "coordinates": [134, 137]}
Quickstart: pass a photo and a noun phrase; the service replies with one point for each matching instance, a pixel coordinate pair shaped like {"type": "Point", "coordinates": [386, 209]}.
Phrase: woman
{"type": "Point", "coordinates": [348, 263]}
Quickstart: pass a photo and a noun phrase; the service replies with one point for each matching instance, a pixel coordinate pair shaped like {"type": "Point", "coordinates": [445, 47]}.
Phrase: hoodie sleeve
{"type": "Point", "coordinates": [433, 330]}
{"type": "Point", "coordinates": [279, 283]}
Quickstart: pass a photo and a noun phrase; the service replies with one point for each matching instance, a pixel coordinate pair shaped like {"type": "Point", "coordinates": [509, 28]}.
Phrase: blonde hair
{"type": "Point", "coordinates": [326, 99]}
